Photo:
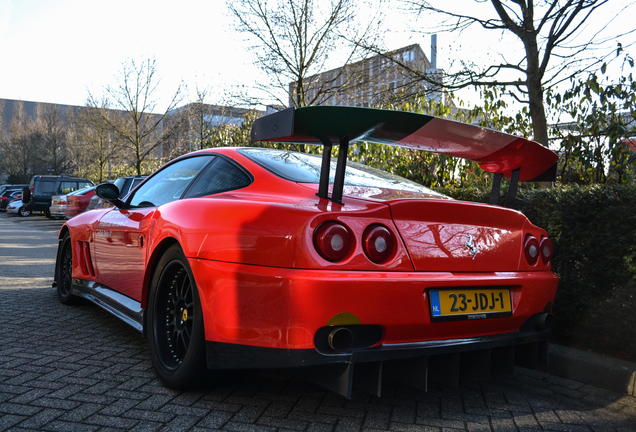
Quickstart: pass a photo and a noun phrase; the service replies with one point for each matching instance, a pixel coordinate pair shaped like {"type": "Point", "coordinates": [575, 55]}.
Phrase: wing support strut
{"type": "Point", "coordinates": [512, 189]}
{"type": "Point", "coordinates": [338, 183]}
{"type": "Point", "coordinates": [323, 185]}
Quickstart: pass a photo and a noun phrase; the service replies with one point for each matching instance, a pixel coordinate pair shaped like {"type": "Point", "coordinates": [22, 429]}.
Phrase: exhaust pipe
{"type": "Point", "coordinates": [543, 322]}
{"type": "Point", "coordinates": [340, 339]}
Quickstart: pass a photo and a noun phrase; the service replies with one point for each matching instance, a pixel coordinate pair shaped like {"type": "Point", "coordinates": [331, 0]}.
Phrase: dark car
{"type": "Point", "coordinates": [6, 187]}
{"type": "Point", "coordinates": [37, 196]}
{"type": "Point", "coordinates": [8, 194]}
{"type": "Point", "coordinates": [125, 185]}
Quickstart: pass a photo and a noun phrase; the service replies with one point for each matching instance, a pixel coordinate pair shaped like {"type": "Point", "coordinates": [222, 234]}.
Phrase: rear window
{"type": "Point", "coordinates": [45, 186]}
{"type": "Point", "coordinates": [305, 168]}
{"type": "Point", "coordinates": [83, 191]}
{"type": "Point", "coordinates": [219, 176]}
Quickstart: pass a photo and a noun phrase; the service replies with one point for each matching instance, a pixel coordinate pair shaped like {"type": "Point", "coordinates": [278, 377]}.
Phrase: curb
{"type": "Point", "coordinates": [600, 371]}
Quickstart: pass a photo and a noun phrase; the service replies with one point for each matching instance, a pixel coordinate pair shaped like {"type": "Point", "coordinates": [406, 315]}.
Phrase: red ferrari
{"type": "Point", "coordinates": [247, 258]}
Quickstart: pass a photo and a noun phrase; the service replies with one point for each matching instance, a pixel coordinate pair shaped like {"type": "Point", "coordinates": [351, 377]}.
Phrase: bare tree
{"type": "Point", "coordinates": [295, 39]}
{"type": "Point", "coordinates": [3, 137]}
{"type": "Point", "coordinates": [51, 129]}
{"type": "Point", "coordinates": [548, 32]}
{"type": "Point", "coordinates": [200, 127]}
{"type": "Point", "coordinates": [20, 147]}
{"type": "Point", "coordinates": [140, 130]}
{"type": "Point", "coordinates": [97, 146]}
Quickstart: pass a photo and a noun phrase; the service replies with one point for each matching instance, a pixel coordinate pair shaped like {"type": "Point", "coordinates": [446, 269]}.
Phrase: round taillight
{"type": "Point", "coordinates": [333, 241]}
{"type": "Point", "coordinates": [547, 249]}
{"type": "Point", "coordinates": [378, 243]}
{"type": "Point", "coordinates": [531, 249]}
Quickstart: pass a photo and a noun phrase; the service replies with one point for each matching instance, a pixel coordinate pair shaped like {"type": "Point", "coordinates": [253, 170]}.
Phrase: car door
{"type": "Point", "coordinates": [43, 191]}
{"type": "Point", "coordinates": [121, 242]}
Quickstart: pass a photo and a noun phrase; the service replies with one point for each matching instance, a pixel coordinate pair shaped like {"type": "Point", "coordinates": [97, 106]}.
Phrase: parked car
{"type": "Point", "coordinates": [38, 195]}
{"type": "Point", "coordinates": [58, 205]}
{"type": "Point", "coordinates": [77, 202]}
{"type": "Point", "coordinates": [7, 196]}
{"type": "Point", "coordinates": [7, 187]}
{"type": "Point", "coordinates": [125, 185]}
{"type": "Point", "coordinates": [247, 258]}
{"type": "Point", "coordinates": [18, 207]}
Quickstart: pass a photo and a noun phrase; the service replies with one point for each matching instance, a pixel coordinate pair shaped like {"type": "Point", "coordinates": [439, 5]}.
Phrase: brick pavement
{"type": "Point", "coordinates": [77, 368]}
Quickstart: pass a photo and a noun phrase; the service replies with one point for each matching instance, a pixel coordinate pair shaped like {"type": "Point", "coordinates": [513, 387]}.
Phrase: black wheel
{"type": "Point", "coordinates": [24, 211]}
{"type": "Point", "coordinates": [175, 324]}
{"type": "Point", "coordinates": [64, 271]}
{"type": "Point", "coordinates": [47, 213]}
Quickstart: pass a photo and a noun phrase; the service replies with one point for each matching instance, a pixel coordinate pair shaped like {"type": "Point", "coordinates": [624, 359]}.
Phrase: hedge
{"type": "Point", "coordinates": [594, 233]}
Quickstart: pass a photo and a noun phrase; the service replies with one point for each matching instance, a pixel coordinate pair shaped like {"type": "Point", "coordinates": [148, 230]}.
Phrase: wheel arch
{"type": "Point", "coordinates": [63, 232]}
{"type": "Point", "coordinates": [157, 252]}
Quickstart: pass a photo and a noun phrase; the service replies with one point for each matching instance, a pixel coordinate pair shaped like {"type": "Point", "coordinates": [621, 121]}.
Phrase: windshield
{"type": "Point", "coordinates": [305, 168]}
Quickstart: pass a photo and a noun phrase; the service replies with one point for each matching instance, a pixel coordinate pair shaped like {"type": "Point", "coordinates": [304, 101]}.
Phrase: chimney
{"type": "Point", "coordinates": [434, 52]}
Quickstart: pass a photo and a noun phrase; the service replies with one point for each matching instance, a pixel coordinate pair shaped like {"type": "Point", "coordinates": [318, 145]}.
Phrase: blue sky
{"type": "Point", "coordinates": [57, 50]}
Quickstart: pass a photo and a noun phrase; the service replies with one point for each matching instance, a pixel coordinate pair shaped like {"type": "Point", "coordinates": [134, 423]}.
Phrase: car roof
{"type": "Point", "coordinates": [49, 177]}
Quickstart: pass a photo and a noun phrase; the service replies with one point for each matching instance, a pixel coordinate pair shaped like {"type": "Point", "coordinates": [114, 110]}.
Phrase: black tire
{"type": "Point", "coordinates": [64, 271]}
{"type": "Point", "coordinates": [47, 213]}
{"type": "Point", "coordinates": [24, 211]}
{"type": "Point", "coordinates": [26, 194]}
{"type": "Point", "coordinates": [176, 337]}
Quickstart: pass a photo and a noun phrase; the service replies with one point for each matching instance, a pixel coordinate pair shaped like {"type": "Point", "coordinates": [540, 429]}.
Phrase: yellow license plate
{"type": "Point", "coordinates": [470, 303]}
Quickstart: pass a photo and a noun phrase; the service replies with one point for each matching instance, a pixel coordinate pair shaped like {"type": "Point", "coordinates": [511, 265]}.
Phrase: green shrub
{"type": "Point", "coordinates": [594, 233]}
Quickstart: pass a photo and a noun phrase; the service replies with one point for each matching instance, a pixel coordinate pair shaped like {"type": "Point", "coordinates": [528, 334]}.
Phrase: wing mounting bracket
{"type": "Point", "coordinates": [325, 168]}
{"type": "Point", "coordinates": [512, 189]}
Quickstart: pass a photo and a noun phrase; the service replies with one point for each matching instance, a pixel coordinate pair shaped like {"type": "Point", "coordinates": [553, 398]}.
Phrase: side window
{"type": "Point", "coordinates": [219, 176]}
{"type": "Point", "coordinates": [168, 184]}
{"type": "Point", "coordinates": [67, 186]}
{"type": "Point", "coordinates": [84, 184]}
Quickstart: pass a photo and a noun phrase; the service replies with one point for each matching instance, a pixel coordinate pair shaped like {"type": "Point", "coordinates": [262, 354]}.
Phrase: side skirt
{"type": "Point", "coordinates": [124, 308]}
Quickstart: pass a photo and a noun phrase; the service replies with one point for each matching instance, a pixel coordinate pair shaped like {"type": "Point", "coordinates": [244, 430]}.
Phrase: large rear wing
{"type": "Point", "coordinates": [504, 155]}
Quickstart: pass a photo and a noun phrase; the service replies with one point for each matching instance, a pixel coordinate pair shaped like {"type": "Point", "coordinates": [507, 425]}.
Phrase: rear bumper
{"type": "Point", "coordinates": [38, 205]}
{"type": "Point", "coordinates": [57, 211]}
{"type": "Point", "coordinates": [230, 356]}
{"type": "Point", "coordinates": [283, 309]}
{"type": "Point", "coordinates": [68, 214]}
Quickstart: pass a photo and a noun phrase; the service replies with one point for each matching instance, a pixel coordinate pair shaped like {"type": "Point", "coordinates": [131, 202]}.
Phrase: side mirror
{"type": "Point", "coordinates": [109, 192]}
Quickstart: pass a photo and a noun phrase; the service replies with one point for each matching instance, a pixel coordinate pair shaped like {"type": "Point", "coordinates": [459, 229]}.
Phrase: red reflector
{"type": "Point", "coordinates": [333, 241]}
